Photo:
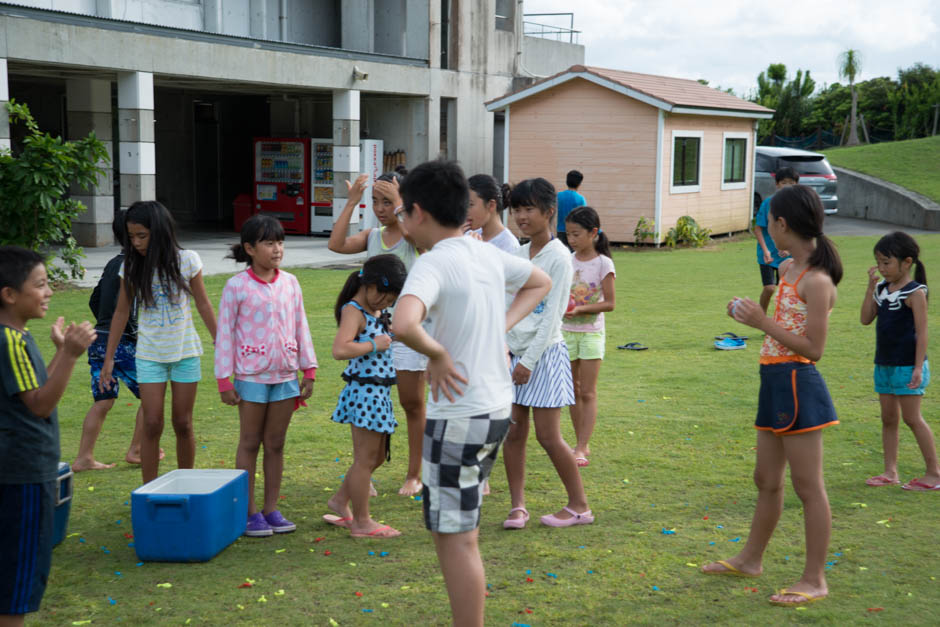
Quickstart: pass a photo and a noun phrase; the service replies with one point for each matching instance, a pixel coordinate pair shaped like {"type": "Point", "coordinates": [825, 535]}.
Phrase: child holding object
{"type": "Point", "coordinates": [458, 289]}
{"type": "Point", "coordinates": [541, 370]}
{"type": "Point", "coordinates": [592, 293]}
{"type": "Point", "coordinates": [901, 369]}
{"type": "Point", "coordinates": [794, 404]}
{"type": "Point", "coordinates": [162, 281]}
{"type": "Point", "coordinates": [264, 340]}
{"type": "Point", "coordinates": [390, 238]}
{"type": "Point", "coordinates": [365, 403]}
{"type": "Point", "coordinates": [29, 429]}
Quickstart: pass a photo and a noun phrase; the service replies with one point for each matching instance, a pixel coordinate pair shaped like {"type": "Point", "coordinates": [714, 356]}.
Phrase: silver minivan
{"type": "Point", "coordinates": [813, 168]}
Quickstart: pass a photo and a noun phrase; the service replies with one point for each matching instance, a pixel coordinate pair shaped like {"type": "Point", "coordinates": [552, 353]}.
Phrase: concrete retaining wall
{"type": "Point", "coordinates": [869, 198]}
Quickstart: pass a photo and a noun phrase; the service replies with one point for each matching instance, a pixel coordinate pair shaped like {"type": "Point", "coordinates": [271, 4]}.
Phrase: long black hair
{"type": "Point", "coordinates": [162, 258]}
{"type": "Point", "coordinates": [587, 218]}
{"type": "Point", "coordinates": [801, 208]}
{"type": "Point", "coordinates": [386, 272]}
{"type": "Point", "coordinates": [258, 228]}
{"type": "Point", "coordinates": [900, 246]}
{"type": "Point", "coordinates": [537, 192]}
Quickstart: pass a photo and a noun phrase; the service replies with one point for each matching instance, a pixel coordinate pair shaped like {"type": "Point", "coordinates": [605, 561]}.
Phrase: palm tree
{"type": "Point", "coordinates": [850, 65]}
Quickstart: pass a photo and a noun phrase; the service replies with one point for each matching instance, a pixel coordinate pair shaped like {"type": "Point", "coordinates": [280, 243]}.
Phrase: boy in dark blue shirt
{"type": "Point", "coordinates": [29, 429]}
{"type": "Point", "coordinates": [567, 201]}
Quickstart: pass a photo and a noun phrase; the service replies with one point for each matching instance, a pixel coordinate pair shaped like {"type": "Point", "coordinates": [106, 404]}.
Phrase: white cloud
{"type": "Point", "coordinates": [729, 42]}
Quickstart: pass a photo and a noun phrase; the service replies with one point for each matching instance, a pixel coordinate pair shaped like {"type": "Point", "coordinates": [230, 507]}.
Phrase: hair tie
{"type": "Point", "coordinates": [599, 230]}
{"type": "Point", "coordinates": [384, 281]}
{"type": "Point", "coordinates": [360, 274]}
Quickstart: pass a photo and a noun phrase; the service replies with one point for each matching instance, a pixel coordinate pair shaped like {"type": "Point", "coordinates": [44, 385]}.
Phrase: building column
{"type": "Point", "coordinates": [357, 24]}
{"type": "Point", "coordinates": [136, 140]}
{"type": "Point", "coordinates": [88, 109]}
{"type": "Point", "coordinates": [345, 147]}
{"type": "Point", "coordinates": [4, 98]}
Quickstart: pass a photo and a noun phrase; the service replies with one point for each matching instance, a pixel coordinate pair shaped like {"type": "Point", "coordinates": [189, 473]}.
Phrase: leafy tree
{"type": "Point", "coordinates": [913, 101]}
{"type": "Point", "coordinates": [850, 66]}
{"type": "Point", "coordinates": [790, 100]}
{"type": "Point", "coordinates": [35, 209]}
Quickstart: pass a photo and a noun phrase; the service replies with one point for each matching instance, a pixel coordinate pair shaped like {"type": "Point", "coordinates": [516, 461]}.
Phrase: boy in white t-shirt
{"type": "Point", "coordinates": [458, 290]}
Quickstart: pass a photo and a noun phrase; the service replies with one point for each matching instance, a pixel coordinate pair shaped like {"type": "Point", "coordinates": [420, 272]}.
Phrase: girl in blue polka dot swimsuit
{"type": "Point", "coordinates": [365, 403]}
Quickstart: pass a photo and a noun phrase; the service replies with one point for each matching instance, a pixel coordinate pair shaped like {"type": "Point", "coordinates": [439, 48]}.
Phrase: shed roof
{"type": "Point", "coordinates": [677, 95]}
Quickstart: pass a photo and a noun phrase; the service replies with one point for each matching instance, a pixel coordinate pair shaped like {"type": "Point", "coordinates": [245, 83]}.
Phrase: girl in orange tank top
{"type": "Point", "coordinates": [794, 404]}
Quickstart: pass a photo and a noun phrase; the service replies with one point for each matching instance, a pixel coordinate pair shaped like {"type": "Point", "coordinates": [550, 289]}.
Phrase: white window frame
{"type": "Point", "coordinates": [686, 189]}
{"type": "Point", "coordinates": [724, 155]}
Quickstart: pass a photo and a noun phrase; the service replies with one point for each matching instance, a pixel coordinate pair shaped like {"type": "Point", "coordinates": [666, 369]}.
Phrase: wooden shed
{"type": "Point", "coordinates": [648, 146]}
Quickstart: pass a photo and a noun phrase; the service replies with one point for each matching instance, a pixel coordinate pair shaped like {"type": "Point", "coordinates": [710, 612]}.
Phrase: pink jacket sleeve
{"type": "Point", "coordinates": [308, 358]}
{"type": "Point", "coordinates": [225, 337]}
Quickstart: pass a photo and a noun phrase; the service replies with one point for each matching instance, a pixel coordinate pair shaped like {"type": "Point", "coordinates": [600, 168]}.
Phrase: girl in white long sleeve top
{"type": "Point", "coordinates": [541, 370]}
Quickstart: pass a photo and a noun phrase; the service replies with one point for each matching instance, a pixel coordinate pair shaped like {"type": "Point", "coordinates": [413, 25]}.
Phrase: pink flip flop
{"type": "Point", "coordinates": [337, 521]}
{"type": "Point", "coordinates": [880, 481]}
{"type": "Point", "coordinates": [582, 461]}
{"type": "Point", "coordinates": [516, 523]}
{"type": "Point", "coordinates": [916, 485]}
{"type": "Point", "coordinates": [384, 531]}
{"type": "Point", "coordinates": [584, 518]}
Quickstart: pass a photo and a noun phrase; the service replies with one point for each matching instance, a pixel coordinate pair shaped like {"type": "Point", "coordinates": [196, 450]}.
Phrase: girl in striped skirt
{"type": "Point", "coordinates": [539, 361]}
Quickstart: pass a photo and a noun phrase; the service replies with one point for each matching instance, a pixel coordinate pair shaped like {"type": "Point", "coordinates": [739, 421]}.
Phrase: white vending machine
{"type": "Point", "coordinates": [323, 209]}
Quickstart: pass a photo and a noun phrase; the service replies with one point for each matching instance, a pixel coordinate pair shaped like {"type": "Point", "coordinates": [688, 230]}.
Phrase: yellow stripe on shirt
{"type": "Point", "coordinates": [27, 366]}
{"type": "Point", "coordinates": [12, 342]}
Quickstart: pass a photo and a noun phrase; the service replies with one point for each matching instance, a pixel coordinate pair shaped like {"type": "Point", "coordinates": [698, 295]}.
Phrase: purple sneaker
{"type": "Point", "coordinates": [257, 526]}
{"type": "Point", "coordinates": [278, 524]}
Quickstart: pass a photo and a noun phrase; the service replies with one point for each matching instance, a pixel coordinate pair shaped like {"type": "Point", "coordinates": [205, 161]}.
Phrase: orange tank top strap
{"type": "Point", "coordinates": [789, 313]}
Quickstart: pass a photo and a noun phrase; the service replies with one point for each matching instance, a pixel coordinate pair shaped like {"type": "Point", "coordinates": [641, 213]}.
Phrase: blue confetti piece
{"type": "Point", "coordinates": [711, 544]}
{"type": "Point", "coordinates": [838, 554]}
{"type": "Point", "coordinates": [706, 508]}
{"type": "Point", "coordinates": [734, 540]}
{"type": "Point", "coordinates": [106, 551]}
{"type": "Point", "coordinates": [590, 572]}
{"type": "Point", "coordinates": [552, 575]}
{"type": "Point", "coordinates": [383, 554]}
{"type": "Point", "coordinates": [489, 586]}
{"type": "Point", "coordinates": [139, 564]}
{"type": "Point", "coordinates": [372, 553]}
{"type": "Point", "coordinates": [786, 558]}
{"type": "Point", "coordinates": [118, 573]}
{"type": "Point", "coordinates": [581, 547]}
{"type": "Point", "coordinates": [669, 532]}
{"type": "Point", "coordinates": [656, 588]}
{"type": "Point", "coordinates": [130, 544]}
{"type": "Point", "coordinates": [418, 498]}
{"type": "Point", "coordinates": [336, 460]}
{"type": "Point", "coordinates": [112, 601]}
{"type": "Point", "coordinates": [640, 400]}
{"type": "Point", "coordinates": [204, 446]}
{"type": "Point", "coordinates": [126, 503]}
{"type": "Point", "coordinates": [719, 527]}
{"type": "Point", "coordinates": [82, 540]}
{"type": "Point", "coordinates": [521, 625]}
{"type": "Point", "coordinates": [342, 476]}
{"type": "Point", "coordinates": [528, 571]}
{"type": "Point", "coordinates": [366, 611]}
{"type": "Point", "coordinates": [117, 522]}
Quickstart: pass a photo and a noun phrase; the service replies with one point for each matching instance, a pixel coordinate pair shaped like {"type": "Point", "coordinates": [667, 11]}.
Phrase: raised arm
{"type": "Point", "coordinates": [869, 306]}
{"type": "Point", "coordinates": [339, 243]}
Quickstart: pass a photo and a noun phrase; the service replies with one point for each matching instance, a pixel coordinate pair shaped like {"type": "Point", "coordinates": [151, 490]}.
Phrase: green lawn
{"type": "Point", "coordinates": [914, 164]}
{"type": "Point", "coordinates": [673, 450]}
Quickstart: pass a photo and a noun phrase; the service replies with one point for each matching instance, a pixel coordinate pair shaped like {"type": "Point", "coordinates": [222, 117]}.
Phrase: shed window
{"type": "Point", "coordinates": [686, 162]}
{"type": "Point", "coordinates": [734, 160]}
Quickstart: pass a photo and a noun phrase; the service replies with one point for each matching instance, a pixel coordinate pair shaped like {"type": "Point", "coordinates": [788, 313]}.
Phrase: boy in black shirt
{"type": "Point", "coordinates": [29, 429]}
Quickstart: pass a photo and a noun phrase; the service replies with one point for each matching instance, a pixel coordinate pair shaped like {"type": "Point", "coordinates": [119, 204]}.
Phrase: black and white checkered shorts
{"type": "Point", "coordinates": [457, 457]}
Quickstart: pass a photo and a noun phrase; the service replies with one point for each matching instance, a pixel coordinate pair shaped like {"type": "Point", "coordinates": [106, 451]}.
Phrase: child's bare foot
{"type": "Point", "coordinates": [800, 594]}
{"type": "Point", "coordinates": [734, 567]}
{"type": "Point", "coordinates": [372, 529]}
{"type": "Point", "coordinates": [340, 509]}
{"type": "Point", "coordinates": [411, 487]}
{"type": "Point", "coordinates": [133, 457]}
{"type": "Point", "coordinates": [372, 490]}
{"type": "Point", "coordinates": [80, 464]}
{"type": "Point", "coordinates": [486, 488]}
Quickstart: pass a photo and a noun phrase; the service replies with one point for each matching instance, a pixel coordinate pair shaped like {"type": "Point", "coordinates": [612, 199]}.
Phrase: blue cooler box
{"type": "Point", "coordinates": [63, 502]}
{"type": "Point", "coordinates": [189, 515]}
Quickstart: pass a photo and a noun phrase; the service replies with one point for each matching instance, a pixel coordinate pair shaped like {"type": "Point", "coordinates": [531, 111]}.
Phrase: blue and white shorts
{"type": "Point", "coordinates": [550, 384]}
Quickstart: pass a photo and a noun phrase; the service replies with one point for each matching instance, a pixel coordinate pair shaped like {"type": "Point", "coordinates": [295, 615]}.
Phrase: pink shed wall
{"type": "Point", "coordinates": [722, 211]}
{"type": "Point", "coordinates": [609, 137]}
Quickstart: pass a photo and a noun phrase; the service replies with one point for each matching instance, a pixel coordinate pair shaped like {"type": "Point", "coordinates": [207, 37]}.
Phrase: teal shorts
{"type": "Point", "coordinates": [894, 380]}
{"type": "Point", "coordinates": [188, 370]}
{"type": "Point", "coordinates": [266, 392]}
{"type": "Point", "coordinates": [584, 344]}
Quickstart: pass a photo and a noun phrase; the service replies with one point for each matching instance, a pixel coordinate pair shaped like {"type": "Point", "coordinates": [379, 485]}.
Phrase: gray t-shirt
{"type": "Point", "coordinates": [402, 249]}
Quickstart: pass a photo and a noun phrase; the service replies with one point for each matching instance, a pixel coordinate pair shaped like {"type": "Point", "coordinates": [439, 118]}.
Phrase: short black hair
{"type": "Point", "coordinates": [537, 192]}
{"type": "Point", "coordinates": [574, 178]}
{"type": "Point", "coordinates": [16, 263]}
{"type": "Point", "coordinates": [787, 173]}
{"type": "Point", "coordinates": [260, 227]}
{"type": "Point", "coordinates": [441, 189]}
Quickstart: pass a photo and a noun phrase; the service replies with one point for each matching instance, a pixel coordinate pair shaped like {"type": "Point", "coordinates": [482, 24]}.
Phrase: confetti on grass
{"type": "Point", "coordinates": [165, 585]}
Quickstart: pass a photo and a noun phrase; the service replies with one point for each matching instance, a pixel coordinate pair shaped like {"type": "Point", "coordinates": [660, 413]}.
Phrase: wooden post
{"type": "Point", "coordinates": [861, 117]}
{"type": "Point", "coordinates": [844, 127]}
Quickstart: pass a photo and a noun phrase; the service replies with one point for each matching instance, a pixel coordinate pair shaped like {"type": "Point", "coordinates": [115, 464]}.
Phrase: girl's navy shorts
{"type": "Point", "coordinates": [793, 399]}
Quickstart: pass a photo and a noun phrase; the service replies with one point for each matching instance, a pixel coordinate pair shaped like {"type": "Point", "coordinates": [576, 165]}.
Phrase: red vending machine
{"type": "Point", "coordinates": [282, 181]}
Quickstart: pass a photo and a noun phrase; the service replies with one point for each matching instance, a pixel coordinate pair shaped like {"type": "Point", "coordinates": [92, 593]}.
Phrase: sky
{"type": "Point", "coordinates": [729, 42]}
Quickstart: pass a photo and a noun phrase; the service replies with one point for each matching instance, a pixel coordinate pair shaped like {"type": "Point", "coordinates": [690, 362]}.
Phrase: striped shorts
{"type": "Point", "coordinates": [27, 519]}
{"type": "Point", "coordinates": [550, 384]}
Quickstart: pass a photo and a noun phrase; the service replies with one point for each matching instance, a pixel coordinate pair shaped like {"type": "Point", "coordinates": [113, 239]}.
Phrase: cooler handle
{"type": "Point", "coordinates": [171, 500]}
{"type": "Point", "coordinates": [59, 499]}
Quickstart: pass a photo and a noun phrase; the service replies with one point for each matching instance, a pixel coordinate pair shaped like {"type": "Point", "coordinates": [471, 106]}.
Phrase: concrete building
{"type": "Point", "coordinates": [651, 147]}
{"type": "Point", "coordinates": [178, 88]}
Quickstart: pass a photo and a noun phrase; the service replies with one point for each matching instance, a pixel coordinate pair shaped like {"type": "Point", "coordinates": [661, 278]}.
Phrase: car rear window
{"type": "Point", "coordinates": [807, 166]}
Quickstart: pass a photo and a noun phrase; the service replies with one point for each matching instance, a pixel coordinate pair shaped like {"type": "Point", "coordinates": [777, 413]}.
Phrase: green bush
{"type": "Point", "coordinates": [687, 231]}
{"type": "Point", "coordinates": [644, 230]}
{"type": "Point", "coordinates": [35, 209]}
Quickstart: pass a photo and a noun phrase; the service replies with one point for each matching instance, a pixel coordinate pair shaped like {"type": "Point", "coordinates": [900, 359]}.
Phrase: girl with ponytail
{"type": "Point", "coordinates": [487, 200]}
{"type": "Point", "coordinates": [365, 403]}
{"type": "Point", "coordinates": [901, 369]}
{"type": "Point", "coordinates": [592, 293]}
{"type": "Point", "coordinates": [794, 404]}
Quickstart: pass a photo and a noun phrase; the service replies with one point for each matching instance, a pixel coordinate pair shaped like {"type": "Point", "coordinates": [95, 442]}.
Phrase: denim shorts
{"type": "Point", "coordinates": [793, 398]}
{"type": "Point", "coordinates": [125, 367]}
{"type": "Point", "coordinates": [188, 370]}
{"type": "Point", "coordinates": [894, 380]}
{"type": "Point", "coordinates": [266, 392]}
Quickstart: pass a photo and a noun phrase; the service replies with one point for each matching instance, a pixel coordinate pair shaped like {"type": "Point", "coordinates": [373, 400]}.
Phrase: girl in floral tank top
{"type": "Point", "coordinates": [794, 404]}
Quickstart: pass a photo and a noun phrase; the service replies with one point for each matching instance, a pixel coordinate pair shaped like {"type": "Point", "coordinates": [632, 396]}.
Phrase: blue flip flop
{"type": "Point", "coordinates": [730, 344]}
{"type": "Point", "coordinates": [633, 346]}
{"type": "Point", "coordinates": [729, 334]}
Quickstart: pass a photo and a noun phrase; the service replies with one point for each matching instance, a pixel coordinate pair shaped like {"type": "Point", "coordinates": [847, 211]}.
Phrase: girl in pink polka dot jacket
{"type": "Point", "coordinates": [264, 340]}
